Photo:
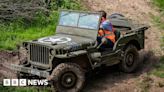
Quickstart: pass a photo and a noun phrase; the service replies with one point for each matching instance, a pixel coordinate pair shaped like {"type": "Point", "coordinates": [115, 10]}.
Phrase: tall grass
{"type": "Point", "coordinates": [12, 34]}
{"type": "Point", "coordinates": [15, 32]}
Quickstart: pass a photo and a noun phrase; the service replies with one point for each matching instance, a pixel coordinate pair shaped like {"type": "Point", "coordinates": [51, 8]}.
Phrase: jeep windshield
{"type": "Point", "coordinates": [79, 20]}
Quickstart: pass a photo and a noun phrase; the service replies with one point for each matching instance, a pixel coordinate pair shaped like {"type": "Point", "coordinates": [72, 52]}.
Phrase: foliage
{"type": "Point", "coordinates": [159, 3]}
{"type": "Point", "coordinates": [18, 31]}
{"type": "Point", "coordinates": [66, 4]}
{"type": "Point", "coordinates": [21, 29]}
{"type": "Point", "coordinates": [159, 21]}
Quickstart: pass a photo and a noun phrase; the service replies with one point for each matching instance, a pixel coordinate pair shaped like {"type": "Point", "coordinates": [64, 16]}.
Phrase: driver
{"type": "Point", "coordinates": [107, 34]}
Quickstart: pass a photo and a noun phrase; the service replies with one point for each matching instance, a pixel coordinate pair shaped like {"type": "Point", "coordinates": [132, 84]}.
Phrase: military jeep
{"type": "Point", "coordinates": [65, 58]}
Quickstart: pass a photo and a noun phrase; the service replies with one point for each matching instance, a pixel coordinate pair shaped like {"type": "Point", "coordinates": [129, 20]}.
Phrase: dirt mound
{"type": "Point", "coordinates": [5, 58]}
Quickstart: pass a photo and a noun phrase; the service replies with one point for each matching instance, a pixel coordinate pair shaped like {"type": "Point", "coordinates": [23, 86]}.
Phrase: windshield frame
{"type": "Point", "coordinates": [81, 12]}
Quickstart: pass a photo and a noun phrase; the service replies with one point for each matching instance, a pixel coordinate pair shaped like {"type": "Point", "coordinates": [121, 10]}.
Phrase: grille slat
{"type": "Point", "coordinates": [42, 55]}
{"type": "Point", "coordinates": [39, 54]}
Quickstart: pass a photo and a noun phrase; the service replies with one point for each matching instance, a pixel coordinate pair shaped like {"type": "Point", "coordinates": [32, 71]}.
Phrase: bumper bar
{"type": "Point", "coordinates": [23, 69]}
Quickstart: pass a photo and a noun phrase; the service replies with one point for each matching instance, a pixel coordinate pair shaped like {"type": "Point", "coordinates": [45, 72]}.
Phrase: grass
{"type": "Point", "coordinates": [25, 89]}
{"type": "Point", "coordinates": [13, 34]}
{"type": "Point", "coordinates": [159, 3]}
{"type": "Point", "coordinates": [159, 68]}
{"type": "Point", "coordinates": [159, 21]}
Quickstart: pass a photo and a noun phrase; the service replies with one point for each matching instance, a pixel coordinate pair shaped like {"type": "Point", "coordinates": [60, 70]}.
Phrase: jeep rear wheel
{"type": "Point", "coordinates": [68, 77]}
{"type": "Point", "coordinates": [131, 59]}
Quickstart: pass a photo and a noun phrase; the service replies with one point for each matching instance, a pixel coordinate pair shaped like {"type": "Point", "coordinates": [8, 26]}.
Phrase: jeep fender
{"type": "Point", "coordinates": [128, 39]}
{"type": "Point", "coordinates": [79, 57]}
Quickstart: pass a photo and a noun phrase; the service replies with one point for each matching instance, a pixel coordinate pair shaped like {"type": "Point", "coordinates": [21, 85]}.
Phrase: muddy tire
{"type": "Point", "coordinates": [131, 59]}
{"type": "Point", "coordinates": [68, 77]}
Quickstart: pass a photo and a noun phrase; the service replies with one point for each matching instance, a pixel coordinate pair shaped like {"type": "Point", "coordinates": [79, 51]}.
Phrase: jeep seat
{"type": "Point", "coordinates": [117, 34]}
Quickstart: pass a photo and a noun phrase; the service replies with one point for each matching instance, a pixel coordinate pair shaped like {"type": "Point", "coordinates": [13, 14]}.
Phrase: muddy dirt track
{"type": "Point", "coordinates": [111, 79]}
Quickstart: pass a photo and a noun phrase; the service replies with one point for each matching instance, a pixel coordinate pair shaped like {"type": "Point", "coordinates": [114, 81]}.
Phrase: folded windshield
{"type": "Point", "coordinates": [81, 20]}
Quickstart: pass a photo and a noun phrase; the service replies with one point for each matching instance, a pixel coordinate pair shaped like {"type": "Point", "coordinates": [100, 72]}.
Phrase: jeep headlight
{"type": "Point", "coordinates": [25, 44]}
{"type": "Point", "coordinates": [52, 51]}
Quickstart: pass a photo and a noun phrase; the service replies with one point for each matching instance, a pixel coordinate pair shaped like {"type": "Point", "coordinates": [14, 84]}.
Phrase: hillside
{"type": "Point", "coordinates": [26, 9]}
{"type": "Point", "coordinates": [143, 12]}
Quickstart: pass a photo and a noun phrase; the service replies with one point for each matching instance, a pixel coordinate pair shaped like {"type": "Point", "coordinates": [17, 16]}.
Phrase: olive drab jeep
{"type": "Point", "coordinates": [65, 58]}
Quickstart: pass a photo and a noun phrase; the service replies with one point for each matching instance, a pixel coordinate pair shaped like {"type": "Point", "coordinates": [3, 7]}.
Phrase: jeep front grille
{"type": "Point", "coordinates": [39, 54]}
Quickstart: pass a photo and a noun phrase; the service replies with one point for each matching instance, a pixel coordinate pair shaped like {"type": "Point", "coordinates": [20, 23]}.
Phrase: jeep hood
{"type": "Point", "coordinates": [60, 41]}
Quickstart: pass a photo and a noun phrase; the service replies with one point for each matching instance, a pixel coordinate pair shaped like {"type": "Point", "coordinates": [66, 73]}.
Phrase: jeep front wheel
{"type": "Point", "coordinates": [131, 59]}
{"type": "Point", "coordinates": [68, 77]}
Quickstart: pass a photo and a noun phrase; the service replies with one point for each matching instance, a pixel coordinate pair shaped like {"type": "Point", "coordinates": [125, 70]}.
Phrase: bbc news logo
{"type": "Point", "coordinates": [24, 82]}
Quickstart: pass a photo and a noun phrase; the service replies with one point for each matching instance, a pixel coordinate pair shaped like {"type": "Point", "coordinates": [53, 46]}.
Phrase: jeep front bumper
{"type": "Point", "coordinates": [28, 70]}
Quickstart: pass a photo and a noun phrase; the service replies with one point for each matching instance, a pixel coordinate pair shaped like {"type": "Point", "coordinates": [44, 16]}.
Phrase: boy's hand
{"type": "Point", "coordinates": [104, 40]}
